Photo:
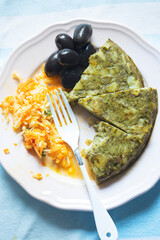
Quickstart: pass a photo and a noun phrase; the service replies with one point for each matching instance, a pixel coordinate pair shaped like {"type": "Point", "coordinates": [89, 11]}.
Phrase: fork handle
{"type": "Point", "coordinates": [105, 225]}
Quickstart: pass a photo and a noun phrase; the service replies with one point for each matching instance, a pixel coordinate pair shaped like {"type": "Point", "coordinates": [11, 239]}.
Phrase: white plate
{"type": "Point", "coordinates": [60, 191]}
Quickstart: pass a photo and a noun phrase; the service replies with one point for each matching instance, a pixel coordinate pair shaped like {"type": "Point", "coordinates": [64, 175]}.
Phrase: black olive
{"type": "Point", "coordinates": [63, 40]}
{"type": "Point", "coordinates": [68, 57]}
{"type": "Point", "coordinates": [82, 34]}
{"type": "Point", "coordinates": [71, 76]}
{"type": "Point", "coordinates": [52, 66]}
{"type": "Point", "coordinates": [85, 53]}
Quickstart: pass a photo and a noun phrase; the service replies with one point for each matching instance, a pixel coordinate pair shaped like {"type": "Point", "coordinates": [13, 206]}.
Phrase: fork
{"type": "Point", "coordinates": [67, 126]}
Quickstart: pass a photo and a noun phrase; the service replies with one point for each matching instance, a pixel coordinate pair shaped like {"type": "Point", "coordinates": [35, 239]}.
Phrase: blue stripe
{"type": "Point", "coordinates": [33, 7]}
{"type": "Point", "coordinates": [4, 52]}
{"type": "Point", "coordinates": [139, 217]}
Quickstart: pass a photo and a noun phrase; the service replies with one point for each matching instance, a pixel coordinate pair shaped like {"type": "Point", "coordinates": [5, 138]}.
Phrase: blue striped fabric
{"type": "Point", "coordinates": [18, 8]}
{"type": "Point", "coordinates": [21, 216]}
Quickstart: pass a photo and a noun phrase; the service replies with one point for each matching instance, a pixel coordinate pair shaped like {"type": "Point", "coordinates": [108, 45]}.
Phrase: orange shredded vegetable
{"type": "Point", "coordinates": [32, 116]}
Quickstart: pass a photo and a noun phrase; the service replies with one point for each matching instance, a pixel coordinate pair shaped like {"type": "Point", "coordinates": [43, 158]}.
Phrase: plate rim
{"type": "Point", "coordinates": [114, 23]}
{"type": "Point", "coordinates": [40, 35]}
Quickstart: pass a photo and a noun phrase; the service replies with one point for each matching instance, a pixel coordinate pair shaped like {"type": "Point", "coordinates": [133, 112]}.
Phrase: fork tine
{"type": "Point", "coordinates": [56, 121]}
{"type": "Point", "coordinates": [63, 109]}
{"type": "Point", "coordinates": [68, 107]}
{"type": "Point", "coordinates": [58, 110]}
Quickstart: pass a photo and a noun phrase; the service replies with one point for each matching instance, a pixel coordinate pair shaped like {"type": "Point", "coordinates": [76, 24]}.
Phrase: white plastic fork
{"type": "Point", "coordinates": [69, 132]}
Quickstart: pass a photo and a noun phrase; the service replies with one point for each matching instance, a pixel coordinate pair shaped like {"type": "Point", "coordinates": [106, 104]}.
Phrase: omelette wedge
{"type": "Point", "coordinates": [113, 151]}
{"type": "Point", "coordinates": [133, 111]}
{"type": "Point", "coordinates": [110, 70]}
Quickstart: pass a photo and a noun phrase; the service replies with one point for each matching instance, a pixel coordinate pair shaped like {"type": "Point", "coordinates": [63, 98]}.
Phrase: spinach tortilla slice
{"type": "Point", "coordinates": [110, 70]}
{"type": "Point", "coordinates": [133, 111]}
{"type": "Point", "coordinates": [113, 151]}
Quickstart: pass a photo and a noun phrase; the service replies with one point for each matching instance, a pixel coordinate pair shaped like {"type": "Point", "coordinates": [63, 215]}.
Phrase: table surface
{"type": "Point", "coordinates": [21, 216]}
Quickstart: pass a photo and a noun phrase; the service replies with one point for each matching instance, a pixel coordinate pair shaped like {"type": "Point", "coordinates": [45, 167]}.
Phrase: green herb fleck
{"type": "Point", "coordinates": [47, 112]}
{"type": "Point", "coordinates": [43, 154]}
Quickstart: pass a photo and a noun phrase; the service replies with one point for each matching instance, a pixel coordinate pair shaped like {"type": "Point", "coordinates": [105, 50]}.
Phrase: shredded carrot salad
{"type": "Point", "coordinates": [32, 117]}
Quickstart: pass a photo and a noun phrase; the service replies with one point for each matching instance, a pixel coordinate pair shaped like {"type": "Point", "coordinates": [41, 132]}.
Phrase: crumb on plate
{"type": "Point", "coordinates": [88, 142]}
{"type": "Point", "coordinates": [37, 176]}
{"type": "Point", "coordinates": [17, 76]}
{"type": "Point", "coordinates": [6, 151]}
